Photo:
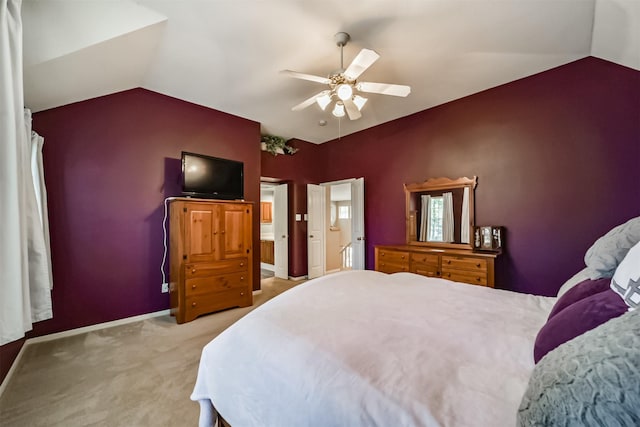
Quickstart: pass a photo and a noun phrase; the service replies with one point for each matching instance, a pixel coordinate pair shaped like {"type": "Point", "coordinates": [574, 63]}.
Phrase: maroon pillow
{"type": "Point", "coordinates": [576, 319]}
{"type": "Point", "coordinates": [584, 289]}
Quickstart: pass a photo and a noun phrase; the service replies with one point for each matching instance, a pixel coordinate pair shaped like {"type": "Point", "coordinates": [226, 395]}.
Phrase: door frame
{"type": "Point", "coordinates": [273, 183]}
{"type": "Point", "coordinates": [327, 185]}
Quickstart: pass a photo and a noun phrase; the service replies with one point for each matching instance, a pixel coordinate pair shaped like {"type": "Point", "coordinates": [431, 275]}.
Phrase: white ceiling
{"type": "Point", "coordinates": [226, 54]}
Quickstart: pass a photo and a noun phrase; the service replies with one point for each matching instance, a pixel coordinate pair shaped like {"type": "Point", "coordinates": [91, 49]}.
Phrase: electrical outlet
{"type": "Point", "coordinates": [165, 288]}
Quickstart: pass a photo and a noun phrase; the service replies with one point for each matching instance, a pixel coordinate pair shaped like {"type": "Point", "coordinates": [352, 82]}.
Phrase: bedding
{"type": "Point", "coordinates": [626, 280]}
{"type": "Point", "coordinates": [364, 348]}
{"type": "Point", "coordinates": [603, 257]}
{"type": "Point", "coordinates": [582, 290]}
{"type": "Point", "coordinates": [591, 380]}
{"type": "Point", "coordinates": [576, 319]}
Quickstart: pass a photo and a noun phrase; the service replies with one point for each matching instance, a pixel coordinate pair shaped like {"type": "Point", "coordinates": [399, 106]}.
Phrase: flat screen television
{"type": "Point", "coordinates": [212, 177]}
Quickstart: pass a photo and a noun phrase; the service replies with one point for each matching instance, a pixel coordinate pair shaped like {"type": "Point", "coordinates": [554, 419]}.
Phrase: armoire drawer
{"type": "Point", "coordinates": [205, 269]}
{"type": "Point", "coordinates": [217, 283]}
{"type": "Point", "coordinates": [197, 305]}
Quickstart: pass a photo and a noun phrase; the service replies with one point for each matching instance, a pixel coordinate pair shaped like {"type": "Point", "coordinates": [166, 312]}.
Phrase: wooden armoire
{"type": "Point", "coordinates": [210, 256]}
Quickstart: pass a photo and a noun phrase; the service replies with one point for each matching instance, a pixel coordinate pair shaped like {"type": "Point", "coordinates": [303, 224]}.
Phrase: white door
{"type": "Point", "coordinates": [357, 224]}
{"type": "Point", "coordinates": [281, 231]}
{"type": "Point", "coordinates": [315, 230]}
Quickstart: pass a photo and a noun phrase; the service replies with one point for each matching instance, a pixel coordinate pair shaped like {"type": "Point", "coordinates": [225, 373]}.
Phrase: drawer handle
{"type": "Point", "coordinates": [241, 278]}
{"type": "Point", "coordinates": [241, 294]}
{"type": "Point", "coordinates": [478, 265]}
{"type": "Point", "coordinates": [193, 271]}
{"type": "Point", "coordinates": [402, 257]}
{"type": "Point", "coordinates": [448, 261]}
{"type": "Point", "coordinates": [242, 264]}
{"type": "Point", "coordinates": [478, 279]}
{"type": "Point", "coordinates": [222, 232]}
{"type": "Point", "coordinates": [193, 304]}
{"type": "Point", "coordinates": [448, 274]}
{"type": "Point", "coordinates": [193, 286]}
{"type": "Point", "coordinates": [381, 253]}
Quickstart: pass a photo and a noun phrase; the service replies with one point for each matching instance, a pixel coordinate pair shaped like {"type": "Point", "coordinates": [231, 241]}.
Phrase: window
{"type": "Point", "coordinates": [344, 212]}
{"type": "Point", "coordinates": [436, 214]}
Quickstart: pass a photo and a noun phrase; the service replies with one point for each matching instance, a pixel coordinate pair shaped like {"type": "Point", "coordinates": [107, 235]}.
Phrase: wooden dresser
{"type": "Point", "coordinates": [459, 265]}
{"type": "Point", "coordinates": [210, 256]}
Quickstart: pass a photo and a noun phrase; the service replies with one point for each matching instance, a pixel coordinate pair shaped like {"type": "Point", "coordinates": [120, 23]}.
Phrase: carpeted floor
{"type": "Point", "coordinates": [139, 374]}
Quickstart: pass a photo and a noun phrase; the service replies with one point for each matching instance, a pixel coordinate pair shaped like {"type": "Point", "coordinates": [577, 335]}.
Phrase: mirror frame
{"type": "Point", "coordinates": [436, 184]}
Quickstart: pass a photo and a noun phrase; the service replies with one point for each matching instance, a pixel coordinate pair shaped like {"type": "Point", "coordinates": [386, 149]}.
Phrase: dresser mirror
{"type": "Point", "coordinates": [440, 211]}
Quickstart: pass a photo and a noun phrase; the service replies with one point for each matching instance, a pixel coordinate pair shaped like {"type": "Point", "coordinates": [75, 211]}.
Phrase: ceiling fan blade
{"type": "Point", "coordinates": [360, 63]}
{"type": "Point", "coordinates": [384, 88]}
{"type": "Point", "coordinates": [307, 102]}
{"type": "Point", "coordinates": [304, 76]}
{"type": "Point", "coordinates": [352, 109]}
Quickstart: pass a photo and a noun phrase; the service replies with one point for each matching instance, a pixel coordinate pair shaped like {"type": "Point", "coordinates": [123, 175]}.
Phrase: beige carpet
{"type": "Point", "coordinates": [139, 374]}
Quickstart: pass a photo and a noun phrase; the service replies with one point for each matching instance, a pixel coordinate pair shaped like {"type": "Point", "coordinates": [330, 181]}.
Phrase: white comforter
{"type": "Point", "coordinates": [364, 348]}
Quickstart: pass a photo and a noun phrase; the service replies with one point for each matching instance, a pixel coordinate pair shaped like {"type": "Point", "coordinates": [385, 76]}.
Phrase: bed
{"type": "Point", "coordinates": [363, 348]}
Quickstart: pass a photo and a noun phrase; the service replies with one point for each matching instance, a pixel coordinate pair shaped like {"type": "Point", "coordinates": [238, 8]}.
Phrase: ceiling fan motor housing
{"type": "Point", "coordinates": [341, 38]}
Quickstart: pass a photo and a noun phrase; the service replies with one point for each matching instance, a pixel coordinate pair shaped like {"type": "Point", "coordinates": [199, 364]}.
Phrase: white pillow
{"type": "Point", "coordinates": [604, 256]}
{"type": "Point", "coordinates": [580, 276]}
{"type": "Point", "coordinates": [626, 280]}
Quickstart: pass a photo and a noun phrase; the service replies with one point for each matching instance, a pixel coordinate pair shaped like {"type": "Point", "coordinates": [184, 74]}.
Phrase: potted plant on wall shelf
{"type": "Point", "coordinates": [276, 145]}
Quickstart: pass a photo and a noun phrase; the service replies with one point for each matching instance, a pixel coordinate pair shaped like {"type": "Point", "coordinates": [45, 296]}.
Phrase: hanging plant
{"type": "Point", "coordinates": [276, 145]}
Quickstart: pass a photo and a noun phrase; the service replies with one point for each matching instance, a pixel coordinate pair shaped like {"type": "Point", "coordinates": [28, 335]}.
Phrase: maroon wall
{"type": "Point", "coordinates": [109, 164]}
{"type": "Point", "coordinates": [556, 156]}
{"type": "Point", "coordinates": [304, 167]}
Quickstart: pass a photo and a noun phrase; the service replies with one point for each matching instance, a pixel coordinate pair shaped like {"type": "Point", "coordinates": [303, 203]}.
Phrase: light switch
{"type": "Point", "coordinates": [305, 217]}
{"type": "Point", "coordinates": [298, 217]}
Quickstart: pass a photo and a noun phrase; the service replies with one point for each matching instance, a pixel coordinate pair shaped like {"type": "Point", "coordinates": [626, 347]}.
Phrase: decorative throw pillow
{"type": "Point", "coordinates": [603, 257]}
{"type": "Point", "coordinates": [573, 281]}
{"type": "Point", "coordinates": [584, 289]}
{"type": "Point", "coordinates": [589, 381]}
{"type": "Point", "coordinates": [576, 319]}
{"type": "Point", "coordinates": [626, 280]}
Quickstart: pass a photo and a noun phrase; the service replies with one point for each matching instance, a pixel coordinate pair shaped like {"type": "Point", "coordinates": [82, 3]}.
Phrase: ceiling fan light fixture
{"type": "Point", "coordinates": [344, 91]}
{"type": "Point", "coordinates": [323, 101]}
{"type": "Point", "coordinates": [338, 110]}
{"type": "Point", "coordinates": [359, 101]}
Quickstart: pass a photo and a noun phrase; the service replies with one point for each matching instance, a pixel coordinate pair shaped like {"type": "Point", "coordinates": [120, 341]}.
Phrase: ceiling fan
{"type": "Point", "coordinates": [344, 87]}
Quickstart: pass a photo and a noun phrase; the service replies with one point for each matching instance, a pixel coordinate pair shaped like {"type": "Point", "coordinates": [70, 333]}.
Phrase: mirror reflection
{"type": "Point", "coordinates": [440, 212]}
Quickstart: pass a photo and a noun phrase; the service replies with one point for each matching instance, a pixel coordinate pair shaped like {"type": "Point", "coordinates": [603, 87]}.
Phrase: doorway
{"type": "Point", "coordinates": [335, 227]}
{"type": "Point", "coordinates": [274, 234]}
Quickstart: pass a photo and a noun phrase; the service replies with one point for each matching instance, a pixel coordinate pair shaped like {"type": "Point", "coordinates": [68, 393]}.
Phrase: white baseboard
{"type": "Point", "coordinates": [298, 278]}
{"type": "Point", "coordinates": [72, 332]}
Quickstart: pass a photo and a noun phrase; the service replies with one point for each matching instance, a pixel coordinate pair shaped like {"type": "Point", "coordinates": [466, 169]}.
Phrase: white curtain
{"type": "Point", "coordinates": [464, 217]}
{"type": "Point", "coordinates": [25, 279]}
{"type": "Point", "coordinates": [425, 218]}
{"type": "Point", "coordinates": [447, 217]}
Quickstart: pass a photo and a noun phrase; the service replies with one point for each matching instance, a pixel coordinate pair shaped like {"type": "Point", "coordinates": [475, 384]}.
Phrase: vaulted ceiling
{"type": "Point", "coordinates": [227, 54]}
